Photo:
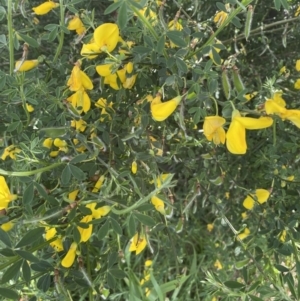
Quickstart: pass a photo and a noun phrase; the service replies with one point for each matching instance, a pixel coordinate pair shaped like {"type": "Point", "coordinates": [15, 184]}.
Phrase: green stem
{"type": "Point", "coordinates": [10, 37]}
{"type": "Point", "coordinates": [29, 172]}
{"type": "Point", "coordinates": [24, 105]}
{"type": "Point", "coordinates": [62, 34]}
{"type": "Point", "coordinates": [227, 21]}
{"type": "Point", "coordinates": [274, 134]}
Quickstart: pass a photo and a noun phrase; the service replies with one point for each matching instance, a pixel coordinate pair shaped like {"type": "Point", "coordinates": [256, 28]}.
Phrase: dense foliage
{"type": "Point", "coordinates": [149, 150]}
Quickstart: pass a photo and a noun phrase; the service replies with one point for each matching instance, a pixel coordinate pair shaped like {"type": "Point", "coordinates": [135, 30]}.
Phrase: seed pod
{"type": "Point", "coordinates": [248, 23]}
{"type": "Point", "coordinates": [226, 84]}
{"type": "Point", "coordinates": [237, 80]}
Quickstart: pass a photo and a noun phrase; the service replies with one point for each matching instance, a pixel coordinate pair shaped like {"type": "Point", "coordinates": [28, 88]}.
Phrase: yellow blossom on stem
{"type": "Point", "coordinates": [236, 134]}
{"type": "Point", "coordinates": [261, 196]}
{"type": "Point", "coordinates": [158, 204]}
{"type": "Point", "coordinates": [282, 236]}
{"type": "Point", "coordinates": [80, 101]}
{"type": "Point", "coordinates": [244, 215]}
{"type": "Point", "coordinates": [249, 96]}
{"type": "Point", "coordinates": [98, 184]}
{"type": "Point", "coordinates": [112, 78]}
{"type": "Point", "coordinates": [297, 84]}
{"type": "Point", "coordinates": [134, 167]}
{"type": "Point", "coordinates": [79, 79]}
{"type": "Point", "coordinates": [76, 24]}
{"type": "Point", "coordinates": [149, 14]}
{"type": "Point", "coordinates": [138, 243]}
{"type": "Point", "coordinates": [162, 110]}
{"type": "Point", "coordinates": [48, 143]}
{"type": "Point", "coordinates": [80, 148]}
{"type": "Point", "coordinates": [73, 194]}
{"type": "Point", "coordinates": [129, 77]}
{"type": "Point", "coordinates": [26, 65]}
{"type": "Point", "coordinates": [29, 107]}
{"type": "Point", "coordinates": [70, 256]}
{"type": "Point", "coordinates": [79, 125]}
{"type": "Point", "coordinates": [7, 226]}
{"type": "Point", "coordinates": [11, 152]}
{"type": "Point", "coordinates": [99, 212]}
{"type": "Point", "coordinates": [85, 233]}
{"type": "Point", "coordinates": [5, 196]}
{"type": "Point", "coordinates": [244, 234]}
{"type": "Point", "coordinates": [174, 25]}
{"type": "Point", "coordinates": [297, 13]}
{"type": "Point", "coordinates": [102, 103]}
{"type": "Point", "coordinates": [220, 18]}
{"type": "Point", "coordinates": [298, 63]}
{"type": "Point", "coordinates": [210, 227]}
{"type": "Point", "coordinates": [56, 244]}
{"type": "Point", "coordinates": [218, 265]}
{"type": "Point", "coordinates": [45, 7]}
{"type": "Point", "coordinates": [90, 50]}
{"type": "Point", "coordinates": [213, 129]}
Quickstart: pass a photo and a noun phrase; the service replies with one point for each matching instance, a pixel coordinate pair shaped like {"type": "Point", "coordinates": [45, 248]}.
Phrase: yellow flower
{"type": "Point", "coordinates": [80, 101]}
{"type": "Point", "coordinates": [79, 125]}
{"type": "Point", "coordinates": [111, 78]}
{"type": "Point", "coordinates": [149, 14]}
{"type": "Point", "coordinates": [213, 129]}
{"type": "Point", "coordinates": [90, 50]}
{"type": "Point", "coordinates": [283, 70]}
{"type": "Point", "coordinates": [56, 244]}
{"type": "Point", "coordinates": [174, 25]}
{"type": "Point", "coordinates": [59, 143]}
{"type": "Point", "coordinates": [48, 143]}
{"type": "Point", "coordinates": [10, 151]}
{"type": "Point", "coordinates": [76, 24]}
{"type": "Point", "coordinates": [73, 194]}
{"type": "Point", "coordinates": [236, 134]}
{"type": "Point", "coordinates": [85, 233]}
{"type": "Point", "coordinates": [158, 204]}
{"type": "Point", "coordinates": [134, 167]}
{"type": "Point", "coordinates": [54, 154]}
{"type": "Point", "coordinates": [129, 77]}
{"type": "Point", "coordinates": [148, 263]}
{"type": "Point", "coordinates": [218, 265]}
{"type": "Point", "coordinates": [138, 243]}
{"type": "Point", "coordinates": [29, 108]}
{"type": "Point", "coordinates": [5, 196]}
{"type": "Point", "coordinates": [162, 110]}
{"type": "Point", "coordinates": [160, 179]}
{"type": "Point", "coordinates": [298, 63]}
{"type": "Point", "coordinates": [25, 65]}
{"type": "Point", "coordinates": [79, 80]}
{"type": "Point", "coordinates": [7, 226]}
{"type": "Point", "coordinates": [244, 215]}
{"type": "Point", "coordinates": [70, 256]}
{"type": "Point", "coordinates": [98, 184]}
{"type": "Point", "coordinates": [45, 7]}
{"type": "Point", "coordinates": [106, 36]}
{"type": "Point", "coordinates": [210, 227]}
{"type": "Point", "coordinates": [80, 148]}
{"type": "Point", "coordinates": [297, 12]}
{"type": "Point", "coordinates": [282, 236]}
{"type": "Point", "coordinates": [261, 195]}
{"type": "Point", "coordinates": [99, 212]}
{"type": "Point", "coordinates": [220, 18]}
{"type": "Point", "coordinates": [297, 84]}
{"type": "Point", "coordinates": [102, 103]}
{"type": "Point", "coordinates": [244, 234]}
{"type": "Point", "coordinates": [249, 96]}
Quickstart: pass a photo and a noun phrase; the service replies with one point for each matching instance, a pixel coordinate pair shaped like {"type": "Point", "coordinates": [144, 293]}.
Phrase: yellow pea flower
{"type": "Point", "coordinates": [73, 194]}
{"type": "Point", "coordinates": [85, 233]}
{"type": "Point", "coordinates": [79, 79]}
{"type": "Point", "coordinates": [99, 212]}
{"type": "Point", "coordinates": [29, 107]}
{"type": "Point", "coordinates": [244, 215]}
{"type": "Point", "coordinates": [54, 154]}
{"type": "Point", "coordinates": [5, 196]}
{"type": "Point", "coordinates": [90, 50]}
{"type": "Point", "coordinates": [174, 25]}
{"type": "Point", "coordinates": [106, 36]}
{"type": "Point", "coordinates": [102, 103]}
{"type": "Point", "coordinates": [61, 144]}
{"type": "Point", "coordinates": [149, 14]}
{"type": "Point", "coordinates": [7, 226]}
{"type": "Point", "coordinates": [138, 243]}
{"type": "Point", "coordinates": [261, 195]}
{"type": "Point", "coordinates": [79, 125]}
{"type": "Point", "coordinates": [218, 265]}
{"type": "Point", "coordinates": [56, 244]}
{"type": "Point", "coordinates": [70, 256]}
{"type": "Point", "coordinates": [77, 25]}
{"type": "Point", "coordinates": [158, 204]}
{"type": "Point", "coordinates": [162, 110]}
{"type": "Point", "coordinates": [25, 65]}
{"type": "Point", "coordinates": [98, 184]}
{"type": "Point", "coordinates": [134, 167]}
{"type": "Point", "coordinates": [244, 234]}
{"type": "Point", "coordinates": [130, 78]}
{"type": "Point", "coordinates": [45, 7]}
{"type": "Point", "coordinates": [249, 96]}
{"type": "Point", "coordinates": [298, 63]}
{"type": "Point", "coordinates": [213, 129]}
{"type": "Point", "coordinates": [80, 99]}
{"type": "Point", "coordinates": [112, 78]}
{"type": "Point", "coordinates": [48, 143]}
{"type": "Point", "coordinates": [11, 152]}
{"type": "Point", "coordinates": [236, 134]}
{"type": "Point", "coordinates": [220, 18]}
{"type": "Point", "coordinates": [80, 148]}
{"type": "Point", "coordinates": [297, 84]}
{"type": "Point", "coordinates": [210, 227]}
{"type": "Point", "coordinates": [282, 236]}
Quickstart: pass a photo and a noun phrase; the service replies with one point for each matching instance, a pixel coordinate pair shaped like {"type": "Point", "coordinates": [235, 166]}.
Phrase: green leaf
{"type": "Point", "coordinates": [28, 194]}
{"type": "Point", "coordinates": [181, 65]}
{"type": "Point", "coordinates": [112, 7]}
{"type": "Point", "coordinates": [281, 268]}
{"type": "Point", "coordinates": [11, 272]}
{"type": "Point", "coordinates": [145, 219]}
{"type": "Point", "coordinates": [233, 284]}
{"type": "Point", "coordinates": [78, 159]}
{"type": "Point", "coordinates": [115, 226]}
{"type": "Point", "coordinates": [103, 230]}
{"type": "Point", "coordinates": [111, 282]}
{"type": "Point", "coordinates": [30, 237]}
{"type": "Point", "coordinates": [4, 237]}
{"type": "Point", "coordinates": [8, 293]}
{"type": "Point", "coordinates": [29, 40]}
{"type": "Point", "coordinates": [122, 16]}
{"type": "Point", "coordinates": [2, 13]}
{"type": "Point", "coordinates": [161, 44]}
{"type": "Point", "coordinates": [254, 298]}
{"type": "Point", "coordinates": [66, 175]}
{"type": "Point", "coordinates": [117, 273]}
{"type": "Point", "coordinates": [277, 4]}
{"type": "Point", "coordinates": [27, 255]}
{"type": "Point", "coordinates": [285, 4]}
{"type": "Point", "coordinates": [26, 271]}
{"type": "Point", "coordinates": [77, 172]}
{"type": "Point", "coordinates": [44, 282]}
{"type": "Point", "coordinates": [131, 226]}
{"type": "Point", "coordinates": [41, 190]}
{"type": "Point", "coordinates": [176, 37]}
{"type": "Point", "coordinates": [221, 7]}
{"type": "Point", "coordinates": [236, 22]}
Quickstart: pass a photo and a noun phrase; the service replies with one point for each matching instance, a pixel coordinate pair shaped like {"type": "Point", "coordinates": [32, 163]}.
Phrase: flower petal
{"type": "Point", "coordinates": [107, 36]}
{"type": "Point", "coordinates": [254, 123]}
{"type": "Point", "coordinates": [236, 138]}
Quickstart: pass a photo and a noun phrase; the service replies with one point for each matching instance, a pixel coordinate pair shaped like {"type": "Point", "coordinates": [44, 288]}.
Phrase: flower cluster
{"type": "Point", "coordinates": [11, 152]}
{"type": "Point", "coordinates": [76, 24]}
{"type": "Point", "coordinates": [59, 144]}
